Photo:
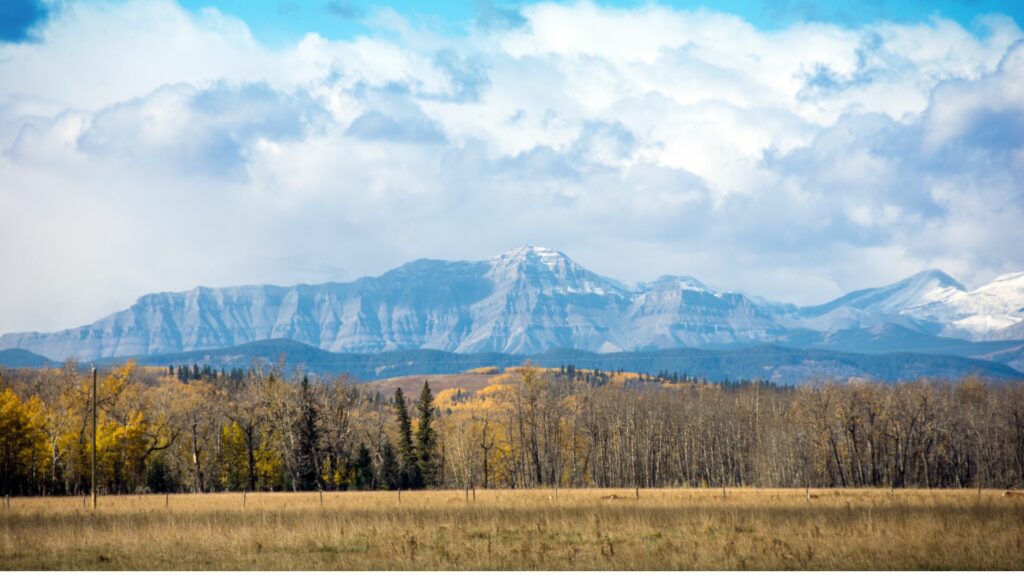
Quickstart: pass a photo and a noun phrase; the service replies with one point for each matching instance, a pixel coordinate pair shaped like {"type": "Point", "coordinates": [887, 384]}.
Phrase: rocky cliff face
{"type": "Point", "coordinates": [526, 300]}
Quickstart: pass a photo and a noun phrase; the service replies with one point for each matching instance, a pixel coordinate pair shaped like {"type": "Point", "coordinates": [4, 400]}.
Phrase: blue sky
{"type": "Point", "coordinates": [283, 21]}
{"type": "Point", "coordinates": [793, 150]}
{"type": "Point", "coordinates": [288, 20]}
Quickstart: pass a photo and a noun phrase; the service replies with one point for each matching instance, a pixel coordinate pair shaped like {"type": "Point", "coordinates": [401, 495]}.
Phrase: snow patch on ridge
{"type": "Point", "coordinates": [526, 300]}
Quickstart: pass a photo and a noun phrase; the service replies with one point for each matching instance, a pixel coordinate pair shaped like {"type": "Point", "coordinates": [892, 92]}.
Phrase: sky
{"type": "Point", "coordinates": [795, 150]}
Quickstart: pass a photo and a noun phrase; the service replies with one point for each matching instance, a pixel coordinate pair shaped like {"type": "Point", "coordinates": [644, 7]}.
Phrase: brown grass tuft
{"type": "Point", "coordinates": [680, 529]}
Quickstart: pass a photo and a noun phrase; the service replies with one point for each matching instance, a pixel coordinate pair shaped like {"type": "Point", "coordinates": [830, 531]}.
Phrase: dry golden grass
{"type": "Point", "coordinates": [526, 529]}
{"type": "Point", "coordinates": [411, 385]}
{"type": "Point", "coordinates": [484, 370]}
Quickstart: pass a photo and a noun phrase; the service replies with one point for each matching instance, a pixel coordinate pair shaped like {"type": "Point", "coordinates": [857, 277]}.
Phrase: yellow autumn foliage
{"type": "Point", "coordinates": [24, 456]}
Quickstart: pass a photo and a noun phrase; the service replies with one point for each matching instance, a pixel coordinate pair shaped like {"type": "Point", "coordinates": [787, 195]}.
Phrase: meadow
{"type": "Point", "coordinates": [592, 529]}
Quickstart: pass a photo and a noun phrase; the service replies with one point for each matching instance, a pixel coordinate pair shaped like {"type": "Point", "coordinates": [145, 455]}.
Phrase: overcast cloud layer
{"type": "Point", "coordinates": [146, 148]}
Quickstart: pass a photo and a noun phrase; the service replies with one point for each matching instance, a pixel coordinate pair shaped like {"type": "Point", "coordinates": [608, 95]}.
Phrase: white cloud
{"type": "Point", "coordinates": [96, 54]}
{"type": "Point", "coordinates": [146, 148]}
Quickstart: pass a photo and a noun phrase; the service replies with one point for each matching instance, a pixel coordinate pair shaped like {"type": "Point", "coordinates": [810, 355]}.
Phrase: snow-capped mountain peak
{"type": "Point", "coordinates": [921, 288]}
{"type": "Point", "coordinates": [977, 314]}
{"type": "Point", "coordinates": [550, 269]}
{"type": "Point", "coordinates": [538, 258]}
{"type": "Point", "coordinates": [688, 283]}
{"type": "Point", "coordinates": [526, 300]}
{"type": "Point", "coordinates": [553, 259]}
{"type": "Point", "coordinates": [1008, 288]}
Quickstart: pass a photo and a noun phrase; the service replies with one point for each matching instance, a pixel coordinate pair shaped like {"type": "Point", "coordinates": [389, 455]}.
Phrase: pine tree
{"type": "Point", "coordinates": [308, 434]}
{"type": "Point", "coordinates": [409, 476]}
{"type": "Point", "coordinates": [387, 473]}
{"type": "Point", "coordinates": [363, 468]}
{"type": "Point", "coordinates": [426, 440]}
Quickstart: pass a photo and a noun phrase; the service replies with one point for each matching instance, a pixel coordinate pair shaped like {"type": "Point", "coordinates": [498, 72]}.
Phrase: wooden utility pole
{"type": "Point", "coordinates": [94, 437]}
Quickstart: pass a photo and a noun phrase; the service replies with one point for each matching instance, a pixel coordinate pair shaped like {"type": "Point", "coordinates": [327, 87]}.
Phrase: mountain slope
{"type": "Point", "coordinates": [18, 358]}
{"type": "Point", "coordinates": [922, 287]}
{"type": "Point", "coordinates": [525, 300]}
{"type": "Point", "coordinates": [878, 306]}
{"type": "Point", "coordinates": [775, 363]}
{"type": "Point", "coordinates": [680, 311]}
{"type": "Point", "coordinates": [533, 299]}
{"type": "Point", "coordinates": [988, 312]}
{"type": "Point", "coordinates": [929, 302]}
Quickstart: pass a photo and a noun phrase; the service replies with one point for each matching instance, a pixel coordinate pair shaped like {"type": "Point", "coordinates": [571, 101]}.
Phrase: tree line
{"type": "Point", "coordinates": [167, 430]}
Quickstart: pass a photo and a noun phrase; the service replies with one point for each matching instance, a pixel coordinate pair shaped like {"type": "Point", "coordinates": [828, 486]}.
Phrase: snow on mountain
{"type": "Point", "coordinates": [979, 314]}
{"type": "Point", "coordinates": [921, 288]}
{"type": "Point", "coordinates": [526, 300]}
{"type": "Point", "coordinates": [549, 271]}
{"type": "Point", "coordinates": [678, 311]}
{"type": "Point", "coordinates": [541, 299]}
{"type": "Point", "coordinates": [930, 302]}
{"type": "Point", "coordinates": [877, 306]}
{"type": "Point", "coordinates": [1014, 332]}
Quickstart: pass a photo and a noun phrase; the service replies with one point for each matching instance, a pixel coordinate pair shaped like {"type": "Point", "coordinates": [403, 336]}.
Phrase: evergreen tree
{"type": "Point", "coordinates": [409, 476]}
{"type": "Point", "coordinates": [363, 469]}
{"type": "Point", "coordinates": [308, 436]}
{"type": "Point", "coordinates": [426, 440]}
{"type": "Point", "coordinates": [387, 473]}
{"type": "Point", "coordinates": [159, 478]}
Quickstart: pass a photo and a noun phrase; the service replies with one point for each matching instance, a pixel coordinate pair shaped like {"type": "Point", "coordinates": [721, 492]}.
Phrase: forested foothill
{"type": "Point", "coordinates": [199, 429]}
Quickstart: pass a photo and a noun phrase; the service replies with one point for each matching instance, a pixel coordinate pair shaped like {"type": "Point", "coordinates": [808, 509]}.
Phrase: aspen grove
{"type": "Point", "coordinates": [261, 430]}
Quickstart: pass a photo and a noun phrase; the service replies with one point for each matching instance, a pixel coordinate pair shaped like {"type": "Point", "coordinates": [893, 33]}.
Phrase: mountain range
{"type": "Point", "coordinates": [531, 300]}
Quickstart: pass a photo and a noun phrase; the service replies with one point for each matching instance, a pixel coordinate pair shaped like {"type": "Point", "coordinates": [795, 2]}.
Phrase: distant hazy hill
{"type": "Point", "coordinates": [776, 363]}
{"type": "Point", "coordinates": [18, 358]}
{"type": "Point", "coordinates": [531, 299]}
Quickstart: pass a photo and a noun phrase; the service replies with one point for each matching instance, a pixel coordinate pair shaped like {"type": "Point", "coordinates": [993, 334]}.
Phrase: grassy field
{"type": "Point", "coordinates": [526, 529]}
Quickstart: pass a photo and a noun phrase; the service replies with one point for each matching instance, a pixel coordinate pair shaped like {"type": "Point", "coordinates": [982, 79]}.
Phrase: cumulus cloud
{"type": "Point", "coordinates": [163, 149]}
{"type": "Point", "coordinates": [177, 129]}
